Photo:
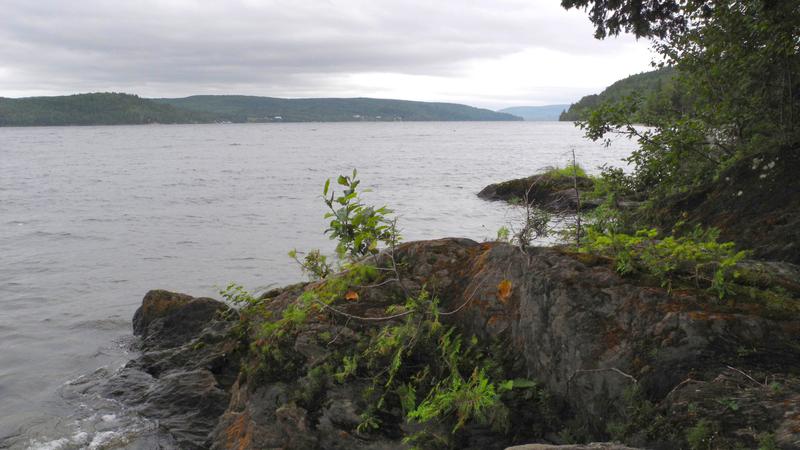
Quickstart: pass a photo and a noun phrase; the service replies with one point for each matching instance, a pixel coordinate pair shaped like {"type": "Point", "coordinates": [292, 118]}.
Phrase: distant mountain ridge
{"type": "Point", "coordinates": [123, 109]}
{"type": "Point", "coordinates": [537, 113]}
{"type": "Point", "coordinates": [242, 108]}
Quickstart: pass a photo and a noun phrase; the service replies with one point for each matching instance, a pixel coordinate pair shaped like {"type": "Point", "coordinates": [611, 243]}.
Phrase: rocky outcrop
{"type": "Point", "coordinates": [623, 357]}
{"type": "Point", "coordinates": [187, 365]}
{"type": "Point", "coordinates": [592, 446]}
{"type": "Point", "coordinates": [551, 193]}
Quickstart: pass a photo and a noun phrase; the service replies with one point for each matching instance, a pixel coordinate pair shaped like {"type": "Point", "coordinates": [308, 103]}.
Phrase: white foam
{"type": "Point", "coordinates": [52, 445]}
{"type": "Point", "coordinates": [80, 438]}
{"type": "Point", "coordinates": [102, 439]}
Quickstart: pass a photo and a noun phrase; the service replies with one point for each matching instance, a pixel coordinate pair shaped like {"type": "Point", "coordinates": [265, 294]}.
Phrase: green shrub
{"type": "Point", "coordinates": [701, 435]}
{"type": "Point", "coordinates": [694, 255]}
{"type": "Point", "coordinates": [358, 228]}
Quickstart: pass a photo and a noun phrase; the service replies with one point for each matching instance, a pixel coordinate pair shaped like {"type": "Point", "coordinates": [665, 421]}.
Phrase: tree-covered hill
{"type": "Point", "coordinates": [241, 108]}
{"type": "Point", "coordinates": [123, 109]}
{"type": "Point", "coordinates": [535, 113]}
{"type": "Point", "coordinates": [653, 88]}
{"type": "Point", "coordinates": [92, 109]}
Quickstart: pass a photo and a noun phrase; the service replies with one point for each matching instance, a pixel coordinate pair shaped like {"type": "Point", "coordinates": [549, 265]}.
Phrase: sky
{"type": "Point", "coordinates": [485, 53]}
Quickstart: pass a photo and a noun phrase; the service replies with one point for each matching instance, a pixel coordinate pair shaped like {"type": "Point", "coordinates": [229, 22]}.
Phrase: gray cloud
{"type": "Point", "coordinates": [279, 48]}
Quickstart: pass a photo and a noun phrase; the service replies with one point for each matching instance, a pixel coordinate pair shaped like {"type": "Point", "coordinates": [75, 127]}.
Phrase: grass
{"type": "Point", "coordinates": [566, 172]}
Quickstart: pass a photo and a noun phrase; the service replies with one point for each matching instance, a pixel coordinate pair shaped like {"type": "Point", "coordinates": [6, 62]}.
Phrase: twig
{"type": "Point", "coordinates": [468, 299]}
{"type": "Point", "coordinates": [398, 315]}
{"type": "Point", "coordinates": [384, 282]}
{"type": "Point", "coordinates": [366, 319]}
{"type": "Point", "coordinates": [609, 369]}
{"type": "Point", "coordinates": [746, 375]}
{"type": "Point", "coordinates": [686, 381]}
{"type": "Point", "coordinates": [578, 197]}
{"type": "Point", "coordinates": [340, 332]}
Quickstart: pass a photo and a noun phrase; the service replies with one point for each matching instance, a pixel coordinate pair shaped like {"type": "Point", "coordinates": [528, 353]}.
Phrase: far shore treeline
{"type": "Point", "coordinates": [124, 109]}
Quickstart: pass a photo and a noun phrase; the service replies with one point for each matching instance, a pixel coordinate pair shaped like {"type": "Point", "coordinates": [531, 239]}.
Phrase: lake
{"type": "Point", "coordinates": [91, 218]}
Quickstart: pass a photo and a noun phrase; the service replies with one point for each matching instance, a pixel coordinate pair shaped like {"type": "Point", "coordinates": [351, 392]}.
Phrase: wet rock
{"type": "Point", "coordinates": [168, 319]}
{"type": "Point", "coordinates": [188, 363]}
{"type": "Point", "coordinates": [556, 194]}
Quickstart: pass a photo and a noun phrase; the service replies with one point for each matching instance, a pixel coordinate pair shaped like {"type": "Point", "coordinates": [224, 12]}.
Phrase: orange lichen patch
{"type": "Point", "coordinates": [351, 296]}
{"type": "Point", "coordinates": [157, 303]}
{"type": "Point", "coordinates": [612, 337]}
{"type": "Point", "coordinates": [238, 434]}
{"type": "Point", "coordinates": [504, 289]}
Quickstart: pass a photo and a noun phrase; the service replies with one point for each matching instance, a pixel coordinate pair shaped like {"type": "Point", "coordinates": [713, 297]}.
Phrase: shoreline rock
{"type": "Point", "coordinates": [590, 337]}
{"type": "Point", "coordinates": [551, 193]}
{"type": "Point", "coordinates": [189, 359]}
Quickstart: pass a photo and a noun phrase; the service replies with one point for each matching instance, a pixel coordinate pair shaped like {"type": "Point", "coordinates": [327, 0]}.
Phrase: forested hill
{"type": "Point", "coordinates": [92, 109]}
{"type": "Point", "coordinates": [122, 109]}
{"type": "Point", "coordinates": [240, 108]}
{"type": "Point", "coordinates": [654, 88]}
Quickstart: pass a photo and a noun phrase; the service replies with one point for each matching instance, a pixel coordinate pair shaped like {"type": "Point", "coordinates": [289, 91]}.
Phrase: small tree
{"type": "Point", "coordinates": [359, 228]}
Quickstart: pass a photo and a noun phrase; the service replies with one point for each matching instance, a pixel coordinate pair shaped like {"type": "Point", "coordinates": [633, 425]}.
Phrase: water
{"type": "Point", "coordinates": [93, 217]}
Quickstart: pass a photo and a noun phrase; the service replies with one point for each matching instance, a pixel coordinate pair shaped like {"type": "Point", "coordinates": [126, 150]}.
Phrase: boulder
{"type": "Point", "coordinates": [554, 194]}
{"type": "Point", "coordinates": [189, 360]}
{"type": "Point", "coordinates": [169, 319]}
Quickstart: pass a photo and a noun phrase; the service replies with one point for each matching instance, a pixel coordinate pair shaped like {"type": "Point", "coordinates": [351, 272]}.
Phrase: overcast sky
{"type": "Point", "coordinates": [487, 53]}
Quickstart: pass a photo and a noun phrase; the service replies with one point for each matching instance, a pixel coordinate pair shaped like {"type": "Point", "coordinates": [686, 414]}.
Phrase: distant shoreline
{"type": "Point", "coordinates": [278, 123]}
{"type": "Point", "coordinates": [127, 109]}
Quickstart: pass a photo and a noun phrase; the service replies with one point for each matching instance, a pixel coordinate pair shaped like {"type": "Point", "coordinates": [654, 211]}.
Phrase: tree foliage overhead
{"type": "Point", "coordinates": [643, 18]}
{"type": "Point", "coordinates": [738, 63]}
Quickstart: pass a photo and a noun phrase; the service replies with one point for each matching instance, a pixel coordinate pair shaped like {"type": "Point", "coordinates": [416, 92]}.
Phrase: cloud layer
{"type": "Point", "coordinates": [485, 52]}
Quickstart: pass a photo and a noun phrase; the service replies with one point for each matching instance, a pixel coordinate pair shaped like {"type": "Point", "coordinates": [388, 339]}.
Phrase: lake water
{"type": "Point", "coordinates": [91, 218]}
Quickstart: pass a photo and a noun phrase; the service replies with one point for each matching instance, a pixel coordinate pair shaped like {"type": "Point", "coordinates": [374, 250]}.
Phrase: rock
{"type": "Point", "coordinates": [555, 194]}
{"type": "Point", "coordinates": [590, 335]}
{"type": "Point", "coordinates": [592, 446]}
{"type": "Point", "coordinates": [587, 335]}
{"type": "Point", "coordinates": [168, 319]}
{"type": "Point", "coordinates": [573, 324]}
{"type": "Point", "coordinates": [188, 364]}
{"type": "Point", "coordinates": [156, 304]}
